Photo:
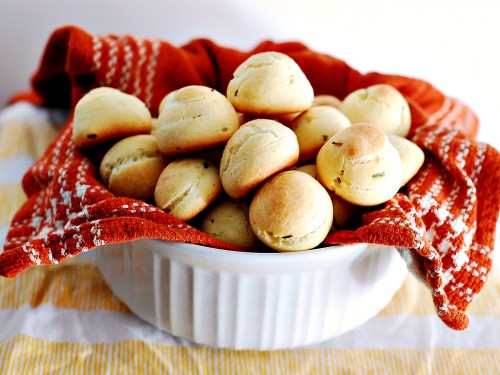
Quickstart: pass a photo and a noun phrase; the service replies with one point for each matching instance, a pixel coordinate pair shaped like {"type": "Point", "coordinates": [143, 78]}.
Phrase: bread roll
{"type": "Point", "coordinates": [194, 118]}
{"type": "Point", "coordinates": [228, 221]}
{"type": "Point", "coordinates": [381, 105]}
{"type": "Point", "coordinates": [243, 118]}
{"type": "Point", "coordinates": [314, 127]}
{"type": "Point", "coordinates": [187, 186]}
{"type": "Point", "coordinates": [270, 83]}
{"type": "Point", "coordinates": [291, 211]}
{"type": "Point", "coordinates": [412, 156]}
{"type": "Point", "coordinates": [166, 98]}
{"type": "Point", "coordinates": [132, 167]}
{"type": "Point", "coordinates": [287, 118]}
{"type": "Point", "coordinates": [310, 169]}
{"type": "Point", "coordinates": [106, 113]}
{"type": "Point", "coordinates": [344, 213]}
{"type": "Point", "coordinates": [328, 100]}
{"type": "Point", "coordinates": [213, 155]}
{"type": "Point", "coordinates": [360, 165]}
{"type": "Point", "coordinates": [256, 151]}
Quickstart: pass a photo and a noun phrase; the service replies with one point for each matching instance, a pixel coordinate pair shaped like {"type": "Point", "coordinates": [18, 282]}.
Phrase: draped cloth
{"type": "Point", "coordinates": [442, 222]}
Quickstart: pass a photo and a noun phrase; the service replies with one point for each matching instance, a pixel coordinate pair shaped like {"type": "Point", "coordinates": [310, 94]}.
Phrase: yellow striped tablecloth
{"type": "Point", "coordinates": [63, 319]}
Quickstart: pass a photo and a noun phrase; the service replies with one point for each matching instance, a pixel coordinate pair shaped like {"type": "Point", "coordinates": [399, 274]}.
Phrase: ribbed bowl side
{"type": "Point", "coordinates": [231, 307]}
{"type": "Point", "coordinates": [246, 311]}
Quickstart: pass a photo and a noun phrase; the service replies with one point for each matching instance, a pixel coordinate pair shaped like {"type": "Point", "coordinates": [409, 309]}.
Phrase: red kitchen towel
{"type": "Point", "coordinates": [443, 222]}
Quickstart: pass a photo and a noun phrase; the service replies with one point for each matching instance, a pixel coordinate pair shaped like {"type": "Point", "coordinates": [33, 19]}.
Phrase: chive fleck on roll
{"type": "Point", "coordinates": [360, 165]}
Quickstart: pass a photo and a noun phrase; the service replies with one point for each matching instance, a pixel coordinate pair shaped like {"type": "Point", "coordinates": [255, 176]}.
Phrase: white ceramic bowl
{"type": "Point", "coordinates": [237, 300]}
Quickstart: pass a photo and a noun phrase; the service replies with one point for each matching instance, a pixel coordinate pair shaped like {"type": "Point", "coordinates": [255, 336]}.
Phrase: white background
{"type": "Point", "coordinates": [453, 44]}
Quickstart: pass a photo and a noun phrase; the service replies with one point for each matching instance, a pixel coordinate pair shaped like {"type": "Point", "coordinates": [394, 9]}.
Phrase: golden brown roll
{"type": "Point", "coordinates": [228, 221]}
{"type": "Point", "coordinates": [270, 83]}
{"type": "Point", "coordinates": [380, 105]}
{"type": "Point", "coordinates": [329, 100]}
{"type": "Point", "coordinates": [291, 211]}
{"type": "Point", "coordinates": [187, 186]}
{"type": "Point", "coordinates": [256, 151]}
{"type": "Point", "coordinates": [314, 127]}
{"type": "Point", "coordinates": [243, 118]}
{"type": "Point", "coordinates": [360, 165]}
{"type": "Point", "coordinates": [310, 169]}
{"type": "Point", "coordinates": [213, 155]}
{"type": "Point", "coordinates": [194, 118]}
{"type": "Point", "coordinates": [286, 119]}
{"type": "Point", "coordinates": [105, 114]}
{"type": "Point", "coordinates": [132, 167]}
{"type": "Point", "coordinates": [412, 156]}
{"type": "Point", "coordinates": [344, 213]}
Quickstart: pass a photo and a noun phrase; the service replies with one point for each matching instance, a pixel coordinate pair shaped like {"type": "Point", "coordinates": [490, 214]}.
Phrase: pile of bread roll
{"type": "Point", "coordinates": [266, 165]}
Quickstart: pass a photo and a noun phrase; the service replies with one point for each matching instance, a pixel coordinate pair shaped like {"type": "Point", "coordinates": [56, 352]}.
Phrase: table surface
{"type": "Point", "coordinates": [64, 318]}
